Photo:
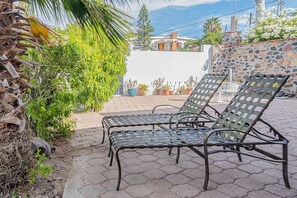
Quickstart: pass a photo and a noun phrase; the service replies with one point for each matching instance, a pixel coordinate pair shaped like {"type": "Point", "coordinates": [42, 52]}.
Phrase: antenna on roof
{"type": "Point", "coordinates": [235, 7]}
{"type": "Point", "coordinates": [226, 28]}
{"type": "Point", "coordinates": [234, 19]}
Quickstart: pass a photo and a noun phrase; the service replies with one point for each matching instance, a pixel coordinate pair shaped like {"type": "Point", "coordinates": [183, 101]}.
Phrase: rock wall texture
{"type": "Point", "coordinates": [273, 57]}
{"type": "Point", "coordinates": [231, 38]}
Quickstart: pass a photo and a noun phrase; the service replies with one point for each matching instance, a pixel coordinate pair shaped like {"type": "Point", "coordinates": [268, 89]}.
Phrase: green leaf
{"type": "Point", "coordinates": [104, 20]}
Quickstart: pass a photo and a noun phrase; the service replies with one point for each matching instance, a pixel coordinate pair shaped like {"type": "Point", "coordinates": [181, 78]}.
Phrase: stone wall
{"type": "Point", "coordinates": [231, 38]}
{"type": "Point", "coordinates": [273, 57]}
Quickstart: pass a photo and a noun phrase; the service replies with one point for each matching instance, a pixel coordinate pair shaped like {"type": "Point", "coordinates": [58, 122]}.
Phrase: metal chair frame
{"type": "Point", "coordinates": [195, 104]}
{"type": "Point", "coordinates": [230, 130]}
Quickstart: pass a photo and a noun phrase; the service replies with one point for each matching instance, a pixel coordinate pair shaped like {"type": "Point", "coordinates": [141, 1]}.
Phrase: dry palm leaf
{"type": "Point", "coordinates": [40, 30]}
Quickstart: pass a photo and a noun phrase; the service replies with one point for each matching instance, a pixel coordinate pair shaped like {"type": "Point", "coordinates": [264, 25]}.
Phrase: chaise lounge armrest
{"type": "Point", "coordinates": [271, 129]}
{"type": "Point", "coordinates": [240, 142]}
{"type": "Point", "coordinates": [197, 121]}
{"type": "Point", "coordinates": [165, 105]}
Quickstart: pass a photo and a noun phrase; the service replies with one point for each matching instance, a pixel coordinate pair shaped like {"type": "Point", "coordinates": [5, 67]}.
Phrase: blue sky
{"type": "Point", "coordinates": [170, 15]}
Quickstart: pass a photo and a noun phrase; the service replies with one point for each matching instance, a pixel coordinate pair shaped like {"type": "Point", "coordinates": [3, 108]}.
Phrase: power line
{"type": "Point", "coordinates": [199, 22]}
{"type": "Point", "coordinates": [245, 25]}
{"type": "Point", "coordinates": [287, 2]}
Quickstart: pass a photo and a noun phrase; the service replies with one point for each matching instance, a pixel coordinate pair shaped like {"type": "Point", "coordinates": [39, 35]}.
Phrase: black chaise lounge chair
{"type": "Point", "coordinates": [195, 104]}
{"type": "Point", "coordinates": [233, 131]}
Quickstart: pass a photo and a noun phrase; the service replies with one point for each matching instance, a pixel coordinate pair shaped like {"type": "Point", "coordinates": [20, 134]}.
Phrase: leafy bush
{"type": "Point", "coordinates": [17, 195]}
{"type": "Point", "coordinates": [208, 38]}
{"type": "Point", "coordinates": [80, 72]}
{"type": "Point", "coordinates": [272, 26]}
{"type": "Point", "coordinates": [191, 46]}
{"type": "Point", "coordinates": [40, 169]}
{"type": "Point", "coordinates": [53, 100]}
{"type": "Point", "coordinates": [211, 38]}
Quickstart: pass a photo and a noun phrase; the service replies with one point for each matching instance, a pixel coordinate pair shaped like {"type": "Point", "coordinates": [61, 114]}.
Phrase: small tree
{"type": "Point", "coordinates": [144, 30]}
{"type": "Point", "coordinates": [212, 25]}
{"type": "Point", "coordinates": [211, 38]}
{"type": "Point", "coordinates": [212, 29]}
{"type": "Point", "coordinates": [191, 46]}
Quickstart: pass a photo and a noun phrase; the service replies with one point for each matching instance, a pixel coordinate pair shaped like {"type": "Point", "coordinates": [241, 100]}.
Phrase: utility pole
{"type": "Point", "coordinates": [260, 8]}
{"type": "Point", "coordinates": [234, 19]}
{"type": "Point", "coordinates": [234, 24]}
{"type": "Point", "coordinates": [279, 7]}
{"type": "Point", "coordinates": [250, 20]}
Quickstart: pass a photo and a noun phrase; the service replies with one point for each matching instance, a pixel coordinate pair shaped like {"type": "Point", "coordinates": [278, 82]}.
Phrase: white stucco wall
{"type": "Point", "coordinates": [146, 66]}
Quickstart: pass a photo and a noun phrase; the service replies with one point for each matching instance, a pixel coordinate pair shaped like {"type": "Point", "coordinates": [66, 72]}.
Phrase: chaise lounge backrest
{"type": "Point", "coordinates": [249, 103]}
{"type": "Point", "coordinates": [203, 92]}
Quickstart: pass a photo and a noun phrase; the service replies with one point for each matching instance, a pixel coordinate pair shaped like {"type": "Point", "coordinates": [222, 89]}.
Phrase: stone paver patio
{"type": "Point", "coordinates": [152, 173]}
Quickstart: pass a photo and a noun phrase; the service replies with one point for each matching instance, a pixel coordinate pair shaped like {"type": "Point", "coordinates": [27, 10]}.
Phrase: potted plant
{"type": "Point", "coordinates": [188, 90]}
{"type": "Point", "coordinates": [166, 89]}
{"type": "Point", "coordinates": [173, 89]}
{"type": "Point", "coordinates": [181, 90]}
{"type": "Point", "coordinates": [190, 84]}
{"type": "Point", "coordinates": [131, 87]}
{"type": "Point", "coordinates": [142, 89]}
{"type": "Point", "coordinates": [157, 85]}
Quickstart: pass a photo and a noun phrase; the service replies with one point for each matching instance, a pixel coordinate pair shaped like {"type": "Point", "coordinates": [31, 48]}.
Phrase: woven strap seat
{"type": "Point", "coordinates": [141, 119]}
{"type": "Point", "coordinates": [137, 120]}
{"type": "Point", "coordinates": [163, 138]}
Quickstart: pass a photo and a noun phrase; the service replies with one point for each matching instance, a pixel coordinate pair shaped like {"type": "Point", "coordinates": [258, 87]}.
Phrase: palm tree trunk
{"type": "Point", "coordinates": [15, 38]}
{"type": "Point", "coordinates": [15, 134]}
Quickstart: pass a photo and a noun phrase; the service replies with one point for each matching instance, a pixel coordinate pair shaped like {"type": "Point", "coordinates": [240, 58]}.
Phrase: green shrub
{"type": "Point", "coordinates": [40, 169]}
{"type": "Point", "coordinates": [53, 100]}
{"type": "Point", "coordinates": [17, 195]}
{"type": "Point", "coordinates": [80, 72]}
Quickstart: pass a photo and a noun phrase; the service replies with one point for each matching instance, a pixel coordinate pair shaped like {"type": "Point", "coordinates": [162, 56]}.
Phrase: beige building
{"type": "Point", "coordinates": [171, 42]}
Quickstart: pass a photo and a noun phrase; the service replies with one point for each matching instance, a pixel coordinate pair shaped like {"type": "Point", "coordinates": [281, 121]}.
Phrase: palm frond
{"type": "Point", "coordinates": [106, 20]}
{"type": "Point", "coordinates": [119, 2]}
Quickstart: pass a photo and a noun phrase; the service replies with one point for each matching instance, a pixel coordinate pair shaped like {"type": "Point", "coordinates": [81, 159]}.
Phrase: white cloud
{"type": "Point", "coordinates": [133, 8]}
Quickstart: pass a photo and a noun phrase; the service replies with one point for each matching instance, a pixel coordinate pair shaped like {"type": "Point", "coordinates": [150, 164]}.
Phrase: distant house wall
{"type": "Point", "coordinates": [146, 66]}
{"type": "Point", "coordinates": [168, 46]}
{"type": "Point", "coordinates": [170, 42]}
{"type": "Point", "coordinates": [271, 57]}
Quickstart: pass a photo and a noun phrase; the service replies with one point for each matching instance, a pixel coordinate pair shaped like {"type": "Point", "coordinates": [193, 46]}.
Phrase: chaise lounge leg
{"type": "Point", "coordinates": [238, 155]}
{"type": "Point", "coordinates": [111, 158]}
{"type": "Point", "coordinates": [109, 152]}
{"type": "Point", "coordinates": [285, 165]}
{"type": "Point", "coordinates": [119, 170]}
{"type": "Point", "coordinates": [206, 168]}
{"type": "Point", "coordinates": [169, 151]}
{"type": "Point", "coordinates": [103, 138]}
{"type": "Point", "coordinates": [177, 155]}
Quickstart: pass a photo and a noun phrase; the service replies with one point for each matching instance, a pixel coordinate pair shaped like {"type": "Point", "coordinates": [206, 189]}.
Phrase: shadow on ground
{"type": "Point", "coordinates": [152, 173]}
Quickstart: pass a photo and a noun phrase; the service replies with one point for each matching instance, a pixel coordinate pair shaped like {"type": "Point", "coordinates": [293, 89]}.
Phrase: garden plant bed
{"type": "Point", "coordinates": [53, 186]}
